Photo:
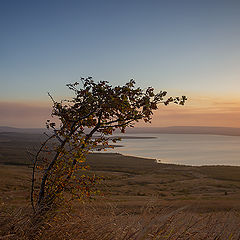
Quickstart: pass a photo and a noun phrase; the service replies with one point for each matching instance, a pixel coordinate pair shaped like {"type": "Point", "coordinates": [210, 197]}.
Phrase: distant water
{"type": "Point", "coordinates": [187, 149]}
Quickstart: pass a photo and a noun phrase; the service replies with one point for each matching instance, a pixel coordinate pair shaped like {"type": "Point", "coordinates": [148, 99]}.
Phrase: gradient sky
{"type": "Point", "coordinates": [185, 47]}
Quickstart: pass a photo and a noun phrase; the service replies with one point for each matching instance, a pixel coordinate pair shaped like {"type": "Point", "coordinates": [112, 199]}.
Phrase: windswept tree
{"type": "Point", "coordinates": [85, 122]}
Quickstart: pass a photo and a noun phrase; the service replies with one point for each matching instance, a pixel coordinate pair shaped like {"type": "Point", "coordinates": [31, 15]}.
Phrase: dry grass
{"type": "Point", "coordinates": [142, 200]}
{"type": "Point", "coordinates": [131, 209]}
{"type": "Point", "coordinates": [91, 224]}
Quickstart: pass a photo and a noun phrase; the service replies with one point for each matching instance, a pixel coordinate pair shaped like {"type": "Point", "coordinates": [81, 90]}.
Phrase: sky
{"type": "Point", "coordinates": [184, 47]}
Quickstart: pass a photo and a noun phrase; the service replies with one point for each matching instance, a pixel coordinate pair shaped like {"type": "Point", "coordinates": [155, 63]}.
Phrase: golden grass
{"type": "Point", "coordinates": [142, 200]}
{"type": "Point", "coordinates": [88, 223]}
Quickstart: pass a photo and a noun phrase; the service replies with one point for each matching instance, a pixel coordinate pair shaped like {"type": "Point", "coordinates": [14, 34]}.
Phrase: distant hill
{"type": "Point", "coordinates": [166, 130]}
{"type": "Point", "coordinates": [189, 130]}
{"type": "Point", "coordinates": [21, 130]}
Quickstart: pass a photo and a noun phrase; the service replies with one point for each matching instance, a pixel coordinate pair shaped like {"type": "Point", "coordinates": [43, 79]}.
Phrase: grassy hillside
{"type": "Point", "coordinates": [139, 198]}
{"type": "Point", "coordinates": [14, 147]}
{"type": "Point", "coordinates": [131, 178]}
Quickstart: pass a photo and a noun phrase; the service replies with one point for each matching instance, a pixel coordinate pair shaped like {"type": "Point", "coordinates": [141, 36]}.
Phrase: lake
{"type": "Point", "coordinates": [187, 149]}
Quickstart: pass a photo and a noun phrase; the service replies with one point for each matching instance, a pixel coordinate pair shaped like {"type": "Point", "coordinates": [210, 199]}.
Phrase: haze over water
{"type": "Point", "coordinates": [187, 149]}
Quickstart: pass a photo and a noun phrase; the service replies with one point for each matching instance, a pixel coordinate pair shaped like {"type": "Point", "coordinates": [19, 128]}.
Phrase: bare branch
{"type": "Point", "coordinates": [51, 98]}
{"type": "Point", "coordinates": [34, 169]}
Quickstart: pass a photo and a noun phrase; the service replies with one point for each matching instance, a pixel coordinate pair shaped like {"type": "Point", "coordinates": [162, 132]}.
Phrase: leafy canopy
{"type": "Point", "coordinates": [95, 111]}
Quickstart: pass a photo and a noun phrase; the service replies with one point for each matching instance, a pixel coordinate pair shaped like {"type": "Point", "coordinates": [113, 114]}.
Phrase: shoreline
{"type": "Point", "coordinates": [159, 161]}
{"type": "Point", "coordinates": [12, 150]}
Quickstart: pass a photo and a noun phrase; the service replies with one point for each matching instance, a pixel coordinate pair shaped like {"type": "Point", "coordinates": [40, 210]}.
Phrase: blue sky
{"type": "Point", "coordinates": [187, 47]}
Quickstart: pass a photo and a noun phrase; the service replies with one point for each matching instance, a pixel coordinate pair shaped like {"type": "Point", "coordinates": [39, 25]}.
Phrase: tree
{"type": "Point", "coordinates": [96, 108]}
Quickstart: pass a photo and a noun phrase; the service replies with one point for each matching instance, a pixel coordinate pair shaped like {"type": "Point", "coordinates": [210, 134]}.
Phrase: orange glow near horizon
{"type": "Point", "coordinates": [24, 115]}
{"type": "Point", "coordinates": [198, 111]}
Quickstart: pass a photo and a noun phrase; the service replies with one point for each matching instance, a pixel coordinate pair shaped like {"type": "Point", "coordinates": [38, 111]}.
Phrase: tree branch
{"type": "Point", "coordinates": [34, 169]}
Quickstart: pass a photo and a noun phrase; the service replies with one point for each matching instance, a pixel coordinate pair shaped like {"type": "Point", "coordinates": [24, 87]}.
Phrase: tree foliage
{"type": "Point", "coordinates": [86, 121]}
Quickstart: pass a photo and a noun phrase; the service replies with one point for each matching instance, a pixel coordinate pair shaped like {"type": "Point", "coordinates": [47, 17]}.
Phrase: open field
{"type": "Point", "coordinates": [136, 191]}
{"type": "Point", "coordinates": [129, 180]}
